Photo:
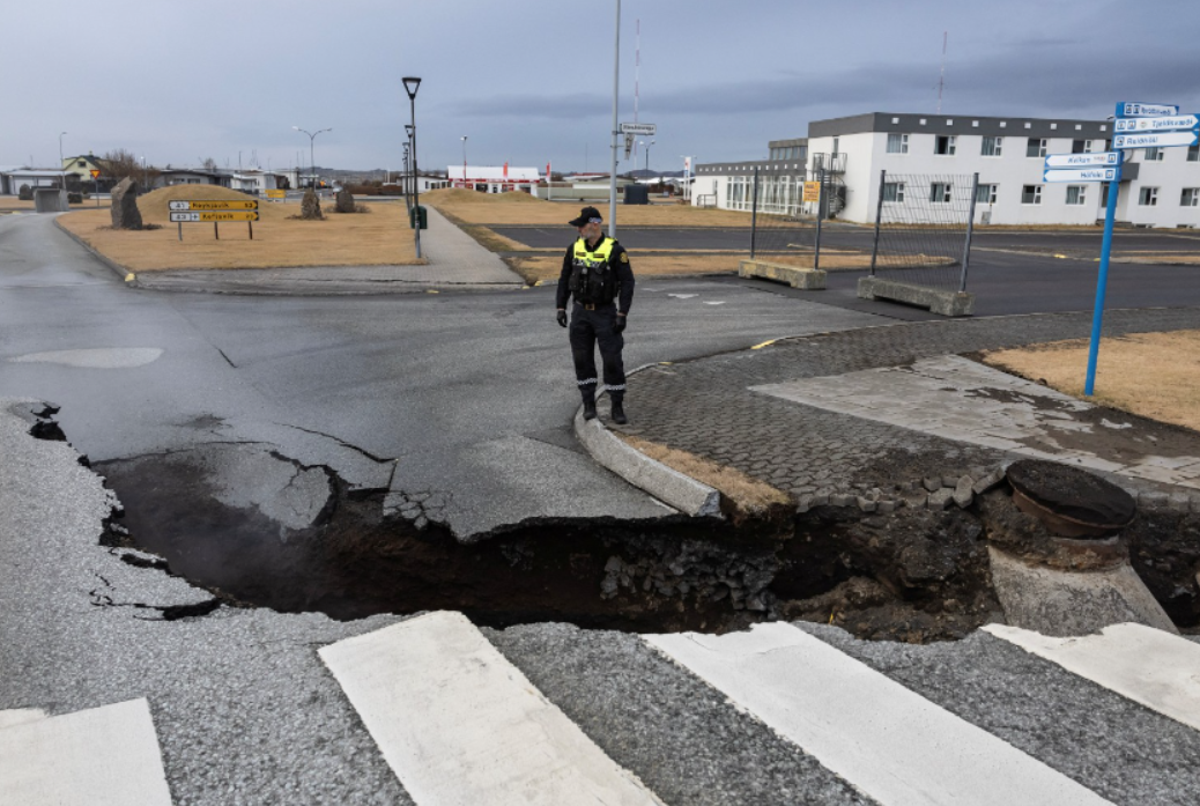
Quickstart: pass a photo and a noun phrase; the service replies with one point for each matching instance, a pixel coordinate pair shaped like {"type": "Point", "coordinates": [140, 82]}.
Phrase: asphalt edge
{"type": "Point", "coordinates": [125, 274]}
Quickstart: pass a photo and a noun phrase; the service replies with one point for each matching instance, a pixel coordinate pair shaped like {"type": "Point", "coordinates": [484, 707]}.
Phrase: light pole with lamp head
{"type": "Point", "coordinates": [410, 181]}
{"type": "Point", "coordinates": [647, 145]}
{"type": "Point", "coordinates": [464, 141]}
{"type": "Point", "coordinates": [62, 173]}
{"type": "Point", "coordinates": [312, 165]}
{"type": "Point", "coordinates": [411, 85]}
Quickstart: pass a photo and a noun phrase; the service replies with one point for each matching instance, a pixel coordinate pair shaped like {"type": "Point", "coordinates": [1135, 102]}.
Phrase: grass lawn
{"type": "Point", "coordinates": [379, 237]}
{"type": "Point", "coordinates": [1155, 375]}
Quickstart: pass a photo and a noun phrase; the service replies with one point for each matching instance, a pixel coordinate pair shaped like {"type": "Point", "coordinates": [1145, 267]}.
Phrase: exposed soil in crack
{"type": "Point", "coordinates": [914, 573]}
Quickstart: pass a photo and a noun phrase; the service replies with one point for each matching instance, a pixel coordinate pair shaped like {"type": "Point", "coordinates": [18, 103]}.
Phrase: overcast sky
{"type": "Point", "coordinates": [531, 81]}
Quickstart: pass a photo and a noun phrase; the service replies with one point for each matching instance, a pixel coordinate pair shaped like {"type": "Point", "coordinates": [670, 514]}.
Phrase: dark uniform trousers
{"type": "Point", "coordinates": [592, 325]}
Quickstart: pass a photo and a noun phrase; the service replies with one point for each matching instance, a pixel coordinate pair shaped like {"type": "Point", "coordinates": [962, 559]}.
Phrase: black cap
{"type": "Point", "coordinates": [587, 215]}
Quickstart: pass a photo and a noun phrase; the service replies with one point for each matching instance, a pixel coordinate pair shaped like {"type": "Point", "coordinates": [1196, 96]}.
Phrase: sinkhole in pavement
{"type": "Point", "coordinates": [914, 574]}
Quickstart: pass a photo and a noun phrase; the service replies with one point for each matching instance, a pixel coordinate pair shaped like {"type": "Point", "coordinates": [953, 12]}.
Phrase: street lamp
{"type": "Point", "coordinates": [411, 131]}
{"type": "Point", "coordinates": [647, 145]}
{"type": "Point", "coordinates": [312, 165]}
{"type": "Point", "coordinates": [62, 174]}
{"type": "Point", "coordinates": [464, 139]}
{"type": "Point", "coordinates": [411, 85]}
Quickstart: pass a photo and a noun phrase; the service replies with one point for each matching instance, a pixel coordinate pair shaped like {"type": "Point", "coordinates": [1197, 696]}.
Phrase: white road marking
{"type": "Point", "coordinates": [96, 358]}
{"type": "Point", "coordinates": [459, 724]}
{"type": "Point", "coordinates": [888, 742]}
{"type": "Point", "coordinates": [1154, 668]}
{"type": "Point", "coordinates": [102, 756]}
{"type": "Point", "coordinates": [683, 296]}
{"type": "Point", "coordinates": [722, 302]}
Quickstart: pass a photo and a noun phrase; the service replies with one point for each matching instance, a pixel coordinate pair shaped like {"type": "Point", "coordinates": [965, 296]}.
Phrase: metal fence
{"type": "Point", "coordinates": [923, 226]}
{"type": "Point", "coordinates": [786, 222]}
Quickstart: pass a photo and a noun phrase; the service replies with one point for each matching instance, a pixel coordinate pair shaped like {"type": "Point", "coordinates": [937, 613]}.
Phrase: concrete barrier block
{"type": "Point", "coordinates": [808, 279]}
{"type": "Point", "coordinates": [943, 303]}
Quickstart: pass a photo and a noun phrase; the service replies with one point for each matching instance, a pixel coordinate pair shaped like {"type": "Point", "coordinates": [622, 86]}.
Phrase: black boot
{"type": "Point", "coordinates": [589, 403]}
{"type": "Point", "coordinates": [618, 410]}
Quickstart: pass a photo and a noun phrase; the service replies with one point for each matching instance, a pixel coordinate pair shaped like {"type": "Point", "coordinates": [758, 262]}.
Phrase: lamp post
{"type": "Point", "coordinates": [464, 141]}
{"type": "Point", "coordinates": [411, 85]}
{"type": "Point", "coordinates": [312, 164]}
{"type": "Point", "coordinates": [410, 181]}
{"type": "Point", "coordinates": [404, 181]}
{"type": "Point", "coordinates": [647, 145]}
{"type": "Point", "coordinates": [62, 174]}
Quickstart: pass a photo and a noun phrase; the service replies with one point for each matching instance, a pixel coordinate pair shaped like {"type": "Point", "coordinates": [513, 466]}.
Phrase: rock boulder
{"type": "Point", "coordinates": [310, 207]}
{"type": "Point", "coordinates": [125, 212]}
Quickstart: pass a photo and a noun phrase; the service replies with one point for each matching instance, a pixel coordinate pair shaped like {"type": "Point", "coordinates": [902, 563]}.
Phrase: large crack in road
{"type": "Point", "coordinates": [256, 528]}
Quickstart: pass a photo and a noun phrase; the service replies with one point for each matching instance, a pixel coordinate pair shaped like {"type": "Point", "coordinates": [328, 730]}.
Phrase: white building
{"type": "Point", "coordinates": [1160, 188]}
{"type": "Point", "coordinates": [493, 179]}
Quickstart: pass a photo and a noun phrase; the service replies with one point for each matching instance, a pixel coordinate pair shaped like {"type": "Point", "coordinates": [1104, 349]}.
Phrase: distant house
{"type": "Point", "coordinates": [493, 178]}
{"type": "Point", "coordinates": [81, 167]}
{"type": "Point", "coordinates": [189, 176]}
{"type": "Point", "coordinates": [34, 177]}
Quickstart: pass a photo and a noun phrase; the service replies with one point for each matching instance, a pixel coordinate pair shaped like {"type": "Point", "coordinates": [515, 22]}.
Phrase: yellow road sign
{"type": "Point", "coordinates": [812, 191]}
{"type": "Point", "coordinates": [233, 215]}
{"type": "Point", "coordinates": [276, 194]}
{"type": "Point", "coordinates": [94, 172]}
{"type": "Point", "coordinates": [222, 204]}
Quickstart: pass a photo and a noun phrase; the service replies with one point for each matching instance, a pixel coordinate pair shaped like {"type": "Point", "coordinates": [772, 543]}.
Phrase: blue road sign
{"type": "Point", "coordinates": [1156, 124]}
{"type": "Point", "coordinates": [1160, 140]}
{"type": "Point", "coordinates": [1132, 109]}
{"type": "Point", "coordinates": [1083, 160]}
{"type": "Point", "coordinates": [1080, 175]}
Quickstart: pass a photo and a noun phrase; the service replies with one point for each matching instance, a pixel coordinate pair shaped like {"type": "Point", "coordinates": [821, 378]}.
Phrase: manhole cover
{"type": "Point", "coordinates": [1071, 502]}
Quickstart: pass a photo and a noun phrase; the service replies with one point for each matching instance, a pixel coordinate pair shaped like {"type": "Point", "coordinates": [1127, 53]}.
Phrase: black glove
{"type": "Point", "coordinates": [619, 327]}
{"type": "Point", "coordinates": [562, 318]}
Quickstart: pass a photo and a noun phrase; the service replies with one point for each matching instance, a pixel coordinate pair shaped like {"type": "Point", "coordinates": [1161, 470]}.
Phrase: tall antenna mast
{"type": "Point", "coordinates": [637, 70]}
{"type": "Point", "coordinates": [942, 77]}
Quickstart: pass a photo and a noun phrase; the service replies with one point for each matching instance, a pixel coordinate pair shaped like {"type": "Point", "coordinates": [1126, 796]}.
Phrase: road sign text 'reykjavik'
{"type": "Point", "coordinates": [215, 204]}
{"type": "Point", "coordinates": [641, 129]}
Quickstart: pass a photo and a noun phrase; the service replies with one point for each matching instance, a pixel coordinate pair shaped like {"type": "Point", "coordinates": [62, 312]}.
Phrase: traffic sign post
{"type": "Point", "coordinates": [639, 129]}
{"type": "Point", "coordinates": [1157, 124]}
{"type": "Point", "coordinates": [1132, 109]}
{"type": "Point", "coordinates": [1156, 140]}
{"type": "Point", "coordinates": [1083, 160]}
{"type": "Point", "coordinates": [1080, 175]}
{"type": "Point", "coordinates": [216, 211]}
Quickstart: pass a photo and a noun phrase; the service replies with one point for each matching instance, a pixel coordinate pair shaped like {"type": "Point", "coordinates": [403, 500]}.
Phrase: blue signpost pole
{"type": "Point", "coordinates": [1110, 215]}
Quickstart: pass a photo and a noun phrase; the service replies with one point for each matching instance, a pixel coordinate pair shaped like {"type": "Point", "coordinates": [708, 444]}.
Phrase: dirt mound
{"type": "Point", "coordinates": [154, 204]}
{"type": "Point", "coordinates": [464, 196]}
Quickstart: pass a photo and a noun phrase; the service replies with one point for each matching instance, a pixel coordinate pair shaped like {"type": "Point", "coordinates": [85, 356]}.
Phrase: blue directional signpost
{"type": "Point", "coordinates": [1137, 125]}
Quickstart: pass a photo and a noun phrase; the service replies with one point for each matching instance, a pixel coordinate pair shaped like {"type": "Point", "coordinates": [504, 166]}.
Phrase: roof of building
{"type": "Point", "coordinates": [1014, 125]}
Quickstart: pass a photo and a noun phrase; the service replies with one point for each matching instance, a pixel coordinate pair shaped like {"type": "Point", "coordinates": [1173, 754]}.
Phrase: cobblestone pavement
{"type": "Point", "coordinates": [706, 406]}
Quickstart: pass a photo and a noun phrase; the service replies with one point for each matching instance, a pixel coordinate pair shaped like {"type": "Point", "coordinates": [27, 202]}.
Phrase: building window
{"type": "Point", "coordinates": [1087, 146]}
{"type": "Point", "coordinates": [1154, 155]}
{"type": "Point", "coordinates": [897, 143]}
{"type": "Point", "coordinates": [1190, 197]}
{"type": "Point", "coordinates": [945, 144]}
{"type": "Point", "coordinates": [939, 192]}
{"type": "Point", "coordinates": [1079, 146]}
{"type": "Point", "coordinates": [1193, 154]}
{"type": "Point", "coordinates": [1031, 194]}
{"type": "Point", "coordinates": [893, 192]}
{"type": "Point", "coordinates": [1076, 194]}
{"type": "Point", "coordinates": [1035, 147]}
{"type": "Point", "coordinates": [985, 194]}
{"type": "Point", "coordinates": [1148, 197]}
{"type": "Point", "coordinates": [992, 146]}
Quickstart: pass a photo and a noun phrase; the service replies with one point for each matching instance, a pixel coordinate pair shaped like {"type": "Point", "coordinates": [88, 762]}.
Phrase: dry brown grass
{"type": "Point", "coordinates": [1155, 375]}
{"type": "Point", "coordinates": [381, 237]}
{"type": "Point", "coordinates": [748, 494]}
{"type": "Point", "coordinates": [8, 203]}
{"type": "Point", "coordinates": [547, 268]}
{"type": "Point", "coordinates": [469, 207]}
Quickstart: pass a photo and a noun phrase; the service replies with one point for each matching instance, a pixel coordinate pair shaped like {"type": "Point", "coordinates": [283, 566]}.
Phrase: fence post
{"type": "Point", "coordinates": [962, 285]}
{"type": "Point", "coordinates": [878, 218]}
{"type": "Point", "coordinates": [820, 209]}
{"type": "Point", "coordinates": [754, 213]}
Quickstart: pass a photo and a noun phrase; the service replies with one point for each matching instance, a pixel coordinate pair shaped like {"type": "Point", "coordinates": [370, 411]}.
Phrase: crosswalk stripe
{"type": "Point", "coordinates": [1154, 668]}
{"type": "Point", "coordinates": [102, 756]}
{"type": "Point", "coordinates": [459, 724]}
{"type": "Point", "coordinates": [887, 741]}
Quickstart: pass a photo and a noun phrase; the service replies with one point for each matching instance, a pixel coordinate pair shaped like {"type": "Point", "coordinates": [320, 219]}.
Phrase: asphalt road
{"type": "Point", "coordinates": [469, 395]}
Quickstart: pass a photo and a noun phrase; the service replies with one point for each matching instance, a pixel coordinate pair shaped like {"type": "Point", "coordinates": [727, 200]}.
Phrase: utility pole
{"type": "Point", "coordinates": [612, 182]}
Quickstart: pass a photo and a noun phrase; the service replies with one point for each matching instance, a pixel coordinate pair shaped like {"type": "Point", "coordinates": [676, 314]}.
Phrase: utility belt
{"type": "Point", "coordinates": [598, 306]}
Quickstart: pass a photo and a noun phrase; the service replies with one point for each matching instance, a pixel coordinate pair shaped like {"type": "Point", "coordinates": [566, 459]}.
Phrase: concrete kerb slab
{"type": "Point", "coordinates": [120, 270]}
{"type": "Point", "coordinates": [943, 303]}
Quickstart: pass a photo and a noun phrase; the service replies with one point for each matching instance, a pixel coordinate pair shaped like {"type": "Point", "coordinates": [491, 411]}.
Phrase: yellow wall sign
{"type": "Point", "coordinates": [223, 204]}
{"type": "Point", "coordinates": [812, 191]}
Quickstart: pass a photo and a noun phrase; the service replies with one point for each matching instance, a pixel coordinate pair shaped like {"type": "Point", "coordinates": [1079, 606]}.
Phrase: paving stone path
{"type": "Point", "coordinates": [707, 406]}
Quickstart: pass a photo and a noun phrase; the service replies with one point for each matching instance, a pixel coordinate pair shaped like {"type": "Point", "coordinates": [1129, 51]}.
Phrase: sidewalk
{"type": "Point", "coordinates": [455, 261]}
{"type": "Point", "coordinates": [863, 418]}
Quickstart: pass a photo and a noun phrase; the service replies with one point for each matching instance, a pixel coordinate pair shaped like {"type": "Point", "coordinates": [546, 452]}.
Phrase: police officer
{"type": "Point", "coordinates": [597, 275]}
